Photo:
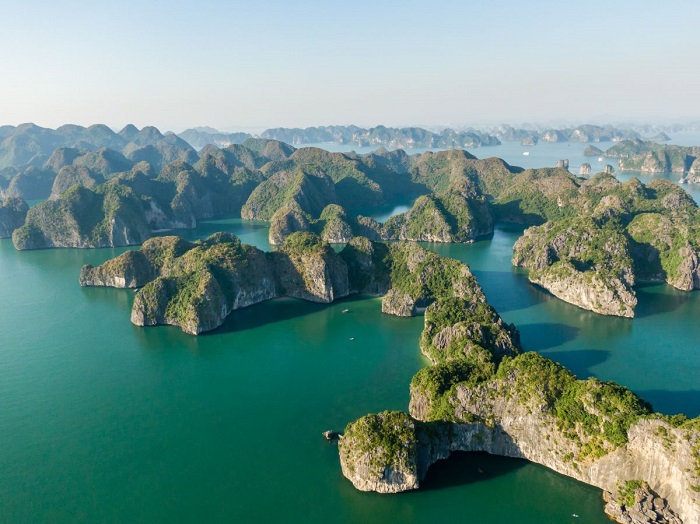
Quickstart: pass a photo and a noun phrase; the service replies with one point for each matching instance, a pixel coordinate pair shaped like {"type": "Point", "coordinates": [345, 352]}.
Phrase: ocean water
{"type": "Point", "coordinates": [102, 421]}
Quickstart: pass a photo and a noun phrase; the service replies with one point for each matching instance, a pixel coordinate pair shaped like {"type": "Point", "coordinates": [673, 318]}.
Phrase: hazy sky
{"type": "Point", "coordinates": [240, 64]}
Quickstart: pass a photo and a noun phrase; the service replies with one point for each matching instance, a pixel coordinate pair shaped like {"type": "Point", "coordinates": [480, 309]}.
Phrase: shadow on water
{"type": "Point", "coordinates": [463, 467]}
{"type": "Point", "coordinates": [658, 298]}
{"type": "Point", "coordinates": [579, 362]}
{"type": "Point", "coordinates": [509, 290]}
{"type": "Point", "coordinates": [275, 310]}
{"type": "Point", "coordinates": [673, 402]}
{"type": "Point", "coordinates": [545, 335]}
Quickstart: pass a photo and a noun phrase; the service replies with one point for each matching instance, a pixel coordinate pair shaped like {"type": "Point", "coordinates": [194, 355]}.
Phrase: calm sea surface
{"type": "Point", "coordinates": [101, 421]}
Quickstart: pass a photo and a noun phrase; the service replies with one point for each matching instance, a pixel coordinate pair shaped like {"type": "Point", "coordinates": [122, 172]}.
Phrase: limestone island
{"type": "Point", "coordinates": [483, 393]}
{"type": "Point", "coordinates": [649, 156]}
{"type": "Point", "coordinates": [196, 285]}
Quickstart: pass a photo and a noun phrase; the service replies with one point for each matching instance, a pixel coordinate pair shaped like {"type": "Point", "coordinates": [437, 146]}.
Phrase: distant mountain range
{"type": "Point", "coordinates": [416, 137]}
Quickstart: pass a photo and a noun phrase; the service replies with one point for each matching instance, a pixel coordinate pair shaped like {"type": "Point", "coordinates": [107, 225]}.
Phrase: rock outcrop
{"type": "Point", "coordinates": [636, 503]}
{"type": "Point", "coordinates": [585, 169]}
{"type": "Point", "coordinates": [581, 263]}
{"type": "Point", "coordinates": [593, 151]}
{"type": "Point", "coordinates": [13, 212]}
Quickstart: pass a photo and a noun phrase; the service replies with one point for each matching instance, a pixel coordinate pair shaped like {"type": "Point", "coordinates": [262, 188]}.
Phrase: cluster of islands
{"type": "Point", "coordinates": [589, 241]}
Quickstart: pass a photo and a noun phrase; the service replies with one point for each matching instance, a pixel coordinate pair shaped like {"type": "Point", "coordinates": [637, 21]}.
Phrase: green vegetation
{"type": "Point", "coordinates": [458, 328]}
{"type": "Point", "coordinates": [387, 439]}
{"type": "Point", "coordinates": [627, 492]}
{"type": "Point", "coordinates": [425, 276]}
{"type": "Point", "coordinates": [436, 384]}
{"type": "Point", "coordinates": [595, 413]}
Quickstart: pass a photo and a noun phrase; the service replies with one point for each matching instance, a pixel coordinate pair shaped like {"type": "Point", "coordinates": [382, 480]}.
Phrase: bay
{"type": "Point", "coordinates": [101, 421]}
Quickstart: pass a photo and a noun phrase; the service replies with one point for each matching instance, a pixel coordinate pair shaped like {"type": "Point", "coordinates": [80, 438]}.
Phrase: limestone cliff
{"type": "Point", "coordinates": [580, 262]}
{"type": "Point", "coordinates": [308, 268]}
{"type": "Point", "coordinates": [419, 277]}
{"type": "Point", "coordinates": [13, 212]}
{"type": "Point", "coordinates": [196, 285]}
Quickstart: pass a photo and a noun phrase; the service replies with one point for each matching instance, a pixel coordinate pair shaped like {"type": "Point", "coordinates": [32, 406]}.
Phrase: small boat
{"type": "Point", "coordinates": [574, 515]}
{"type": "Point", "coordinates": [352, 338]}
{"type": "Point", "coordinates": [345, 310]}
{"type": "Point", "coordinates": [526, 153]}
{"type": "Point", "coordinates": [600, 159]}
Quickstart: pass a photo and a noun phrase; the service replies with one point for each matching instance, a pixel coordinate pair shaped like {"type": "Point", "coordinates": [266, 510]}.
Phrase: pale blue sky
{"type": "Point", "coordinates": [242, 64]}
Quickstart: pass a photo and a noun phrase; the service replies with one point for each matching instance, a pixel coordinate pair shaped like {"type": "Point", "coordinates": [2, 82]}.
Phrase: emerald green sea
{"type": "Point", "coordinates": [102, 421]}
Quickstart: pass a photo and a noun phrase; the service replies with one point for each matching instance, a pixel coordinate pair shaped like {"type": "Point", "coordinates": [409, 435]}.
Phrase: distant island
{"type": "Point", "coordinates": [445, 138]}
{"type": "Point", "coordinates": [653, 157]}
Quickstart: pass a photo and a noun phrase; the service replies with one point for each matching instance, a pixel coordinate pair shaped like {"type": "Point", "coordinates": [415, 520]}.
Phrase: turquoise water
{"type": "Point", "coordinates": [102, 421]}
{"type": "Point", "coordinates": [105, 422]}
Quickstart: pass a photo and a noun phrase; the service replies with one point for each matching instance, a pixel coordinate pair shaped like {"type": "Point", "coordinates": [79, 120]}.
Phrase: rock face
{"type": "Point", "coordinates": [398, 303]}
{"type": "Point", "coordinates": [636, 503]}
{"type": "Point", "coordinates": [13, 212]}
{"type": "Point", "coordinates": [608, 169]}
{"type": "Point", "coordinates": [564, 164]}
{"type": "Point", "coordinates": [581, 263]}
{"type": "Point", "coordinates": [309, 269]}
{"type": "Point", "coordinates": [380, 453]}
{"type": "Point", "coordinates": [585, 169]}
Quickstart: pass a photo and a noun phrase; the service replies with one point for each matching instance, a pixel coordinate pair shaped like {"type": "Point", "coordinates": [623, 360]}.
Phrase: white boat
{"type": "Point", "coordinates": [526, 153]}
{"type": "Point", "coordinates": [345, 310]}
{"type": "Point", "coordinates": [600, 159]}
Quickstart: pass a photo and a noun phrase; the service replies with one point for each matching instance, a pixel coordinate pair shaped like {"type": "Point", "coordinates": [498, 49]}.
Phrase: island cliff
{"type": "Point", "coordinates": [13, 211]}
{"type": "Point", "coordinates": [651, 157]}
{"type": "Point", "coordinates": [481, 393]}
{"type": "Point", "coordinates": [196, 285]}
{"type": "Point", "coordinates": [603, 236]}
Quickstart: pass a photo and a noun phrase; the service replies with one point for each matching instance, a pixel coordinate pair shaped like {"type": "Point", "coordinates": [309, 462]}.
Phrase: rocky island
{"type": "Point", "coordinates": [603, 236]}
{"type": "Point", "coordinates": [482, 393]}
{"type": "Point", "coordinates": [652, 157]}
{"type": "Point", "coordinates": [196, 285]}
